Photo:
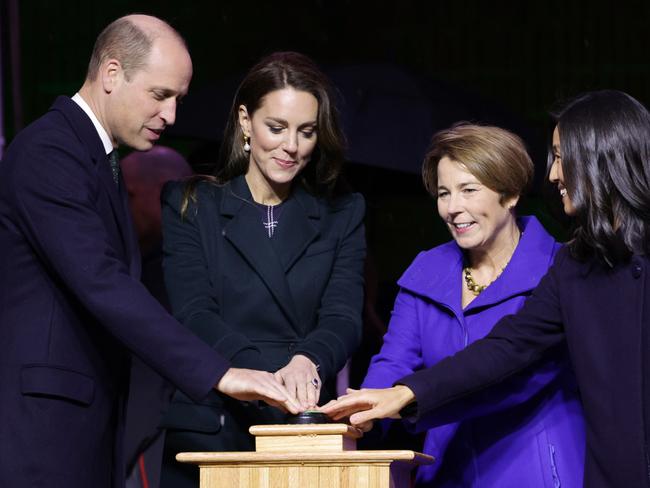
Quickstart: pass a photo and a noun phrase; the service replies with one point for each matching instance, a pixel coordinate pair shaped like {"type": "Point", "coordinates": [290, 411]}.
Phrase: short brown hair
{"type": "Point", "coordinates": [127, 42]}
{"type": "Point", "coordinates": [494, 156]}
{"type": "Point", "coordinates": [121, 40]}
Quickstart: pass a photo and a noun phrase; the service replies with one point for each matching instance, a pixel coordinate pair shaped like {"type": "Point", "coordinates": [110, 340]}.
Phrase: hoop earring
{"type": "Point", "coordinates": [247, 145]}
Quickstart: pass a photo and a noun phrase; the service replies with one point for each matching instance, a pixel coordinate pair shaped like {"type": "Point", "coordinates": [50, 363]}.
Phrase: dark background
{"type": "Point", "coordinates": [514, 59]}
{"type": "Point", "coordinates": [523, 55]}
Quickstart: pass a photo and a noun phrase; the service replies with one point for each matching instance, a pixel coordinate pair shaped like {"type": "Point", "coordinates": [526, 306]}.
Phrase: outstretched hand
{"type": "Point", "coordinates": [365, 405]}
{"type": "Point", "coordinates": [250, 384]}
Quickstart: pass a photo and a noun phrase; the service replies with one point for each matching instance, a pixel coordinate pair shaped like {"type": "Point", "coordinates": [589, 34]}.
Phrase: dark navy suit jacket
{"type": "Point", "coordinates": [260, 301]}
{"type": "Point", "coordinates": [603, 314]}
{"type": "Point", "coordinates": [72, 310]}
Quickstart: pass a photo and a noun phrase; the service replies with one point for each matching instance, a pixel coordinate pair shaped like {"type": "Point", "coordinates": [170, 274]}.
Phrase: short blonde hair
{"type": "Point", "coordinates": [494, 156]}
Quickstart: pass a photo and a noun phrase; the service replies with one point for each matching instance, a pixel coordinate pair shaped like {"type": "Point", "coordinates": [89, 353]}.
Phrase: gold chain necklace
{"type": "Point", "coordinates": [472, 285]}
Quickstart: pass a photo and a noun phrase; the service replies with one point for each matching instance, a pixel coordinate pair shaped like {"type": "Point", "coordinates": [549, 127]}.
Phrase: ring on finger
{"type": "Point", "coordinates": [315, 383]}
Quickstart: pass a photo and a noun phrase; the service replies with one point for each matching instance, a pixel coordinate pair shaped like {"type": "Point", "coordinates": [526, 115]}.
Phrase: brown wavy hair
{"type": "Point", "coordinates": [275, 72]}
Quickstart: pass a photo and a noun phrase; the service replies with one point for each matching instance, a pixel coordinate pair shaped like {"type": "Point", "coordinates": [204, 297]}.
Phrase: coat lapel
{"type": "Point", "coordinates": [119, 204]}
{"type": "Point", "coordinates": [530, 261]}
{"type": "Point", "coordinates": [296, 228]}
{"type": "Point", "coordinates": [246, 233]}
{"type": "Point", "coordinates": [437, 274]}
{"type": "Point", "coordinates": [121, 213]}
{"type": "Point", "coordinates": [129, 234]}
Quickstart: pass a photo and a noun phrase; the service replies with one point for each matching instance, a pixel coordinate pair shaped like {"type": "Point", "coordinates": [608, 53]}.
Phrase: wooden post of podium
{"type": "Point", "coordinates": [305, 456]}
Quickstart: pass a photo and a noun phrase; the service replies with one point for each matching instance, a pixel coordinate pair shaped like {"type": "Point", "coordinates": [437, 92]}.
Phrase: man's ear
{"type": "Point", "coordinates": [111, 74]}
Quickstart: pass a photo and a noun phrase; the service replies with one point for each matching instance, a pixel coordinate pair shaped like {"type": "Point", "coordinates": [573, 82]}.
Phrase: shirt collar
{"type": "Point", "coordinates": [103, 135]}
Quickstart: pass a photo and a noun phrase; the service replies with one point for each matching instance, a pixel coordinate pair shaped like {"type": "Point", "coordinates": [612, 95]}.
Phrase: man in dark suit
{"type": "Point", "coordinates": [72, 309]}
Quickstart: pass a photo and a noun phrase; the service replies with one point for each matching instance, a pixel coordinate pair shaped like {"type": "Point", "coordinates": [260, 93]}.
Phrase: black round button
{"type": "Point", "coordinates": [308, 417]}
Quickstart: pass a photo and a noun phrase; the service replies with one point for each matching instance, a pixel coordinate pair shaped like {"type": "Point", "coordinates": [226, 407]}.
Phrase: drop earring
{"type": "Point", "coordinates": [247, 145]}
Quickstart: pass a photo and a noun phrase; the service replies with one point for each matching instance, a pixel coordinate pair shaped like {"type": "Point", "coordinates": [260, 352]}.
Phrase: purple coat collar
{"type": "Point", "coordinates": [436, 273]}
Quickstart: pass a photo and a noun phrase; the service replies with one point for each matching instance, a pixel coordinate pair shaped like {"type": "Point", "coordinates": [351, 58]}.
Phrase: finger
{"type": "Point", "coordinates": [270, 395]}
{"type": "Point", "coordinates": [290, 402]}
{"type": "Point", "coordinates": [291, 386]}
{"type": "Point", "coordinates": [289, 405]}
{"type": "Point", "coordinates": [350, 410]}
{"type": "Point", "coordinates": [280, 406]}
{"type": "Point", "coordinates": [313, 392]}
{"type": "Point", "coordinates": [293, 406]}
{"type": "Point", "coordinates": [361, 418]}
{"type": "Point", "coordinates": [365, 426]}
{"type": "Point", "coordinates": [245, 384]}
{"type": "Point", "coordinates": [272, 389]}
{"type": "Point", "coordinates": [301, 391]}
{"type": "Point", "coordinates": [345, 402]}
{"type": "Point", "coordinates": [344, 414]}
{"type": "Point", "coordinates": [327, 405]}
{"type": "Point", "coordinates": [278, 377]}
{"type": "Point", "coordinates": [334, 405]}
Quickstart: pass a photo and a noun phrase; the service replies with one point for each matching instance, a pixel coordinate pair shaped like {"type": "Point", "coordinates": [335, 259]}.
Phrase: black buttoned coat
{"type": "Point", "coordinates": [258, 300]}
{"type": "Point", "coordinates": [603, 314]}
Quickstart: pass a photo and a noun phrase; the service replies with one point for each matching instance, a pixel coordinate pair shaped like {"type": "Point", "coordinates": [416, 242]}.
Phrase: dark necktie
{"type": "Point", "coordinates": [114, 159]}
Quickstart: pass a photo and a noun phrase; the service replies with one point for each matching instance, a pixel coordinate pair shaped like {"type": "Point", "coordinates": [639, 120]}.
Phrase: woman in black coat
{"type": "Point", "coordinates": [264, 261]}
{"type": "Point", "coordinates": [596, 297]}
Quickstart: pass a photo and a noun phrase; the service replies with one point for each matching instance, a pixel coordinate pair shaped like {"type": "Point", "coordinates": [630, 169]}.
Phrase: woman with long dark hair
{"type": "Point", "coordinates": [595, 298]}
{"type": "Point", "coordinates": [264, 260]}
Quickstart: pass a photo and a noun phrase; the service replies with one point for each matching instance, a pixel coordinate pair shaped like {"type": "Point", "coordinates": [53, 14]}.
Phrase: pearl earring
{"type": "Point", "coordinates": [247, 146]}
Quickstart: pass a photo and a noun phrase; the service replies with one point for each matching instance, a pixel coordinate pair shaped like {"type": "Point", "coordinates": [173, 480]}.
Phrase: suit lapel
{"type": "Point", "coordinates": [246, 233]}
{"type": "Point", "coordinates": [129, 234]}
{"type": "Point", "coordinates": [120, 207]}
{"type": "Point", "coordinates": [88, 135]}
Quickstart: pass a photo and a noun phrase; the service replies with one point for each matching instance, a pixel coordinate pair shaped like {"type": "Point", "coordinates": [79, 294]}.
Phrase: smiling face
{"type": "Point", "coordinates": [140, 108]}
{"type": "Point", "coordinates": [283, 135]}
{"type": "Point", "coordinates": [556, 176]}
{"type": "Point", "coordinates": [471, 210]}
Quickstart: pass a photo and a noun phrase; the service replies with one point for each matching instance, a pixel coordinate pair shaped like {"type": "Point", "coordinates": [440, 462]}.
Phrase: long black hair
{"type": "Point", "coordinates": [605, 154]}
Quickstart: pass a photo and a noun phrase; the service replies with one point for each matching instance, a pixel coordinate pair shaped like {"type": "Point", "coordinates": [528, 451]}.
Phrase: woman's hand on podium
{"type": "Point", "coordinates": [250, 384]}
{"type": "Point", "coordinates": [301, 379]}
{"type": "Point", "coordinates": [365, 405]}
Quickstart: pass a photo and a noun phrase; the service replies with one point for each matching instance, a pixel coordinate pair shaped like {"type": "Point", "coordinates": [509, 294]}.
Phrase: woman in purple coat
{"type": "Point", "coordinates": [595, 300]}
{"type": "Point", "coordinates": [532, 433]}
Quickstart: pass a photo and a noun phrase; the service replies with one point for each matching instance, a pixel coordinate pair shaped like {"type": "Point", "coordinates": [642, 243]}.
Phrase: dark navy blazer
{"type": "Point", "coordinates": [259, 301]}
{"type": "Point", "coordinates": [603, 314]}
{"type": "Point", "coordinates": [72, 309]}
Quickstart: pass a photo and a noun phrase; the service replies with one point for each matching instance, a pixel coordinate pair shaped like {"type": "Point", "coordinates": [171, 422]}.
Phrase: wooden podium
{"type": "Point", "coordinates": [305, 456]}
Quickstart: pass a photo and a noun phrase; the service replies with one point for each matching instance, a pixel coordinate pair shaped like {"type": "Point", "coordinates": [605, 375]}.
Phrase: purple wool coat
{"type": "Point", "coordinates": [528, 431]}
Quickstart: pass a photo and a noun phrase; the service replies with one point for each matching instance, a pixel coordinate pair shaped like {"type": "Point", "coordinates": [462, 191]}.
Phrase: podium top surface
{"type": "Point", "coordinates": [343, 457]}
{"type": "Point", "coordinates": [305, 429]}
